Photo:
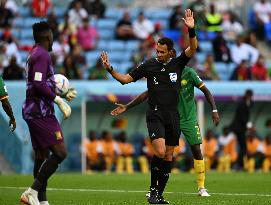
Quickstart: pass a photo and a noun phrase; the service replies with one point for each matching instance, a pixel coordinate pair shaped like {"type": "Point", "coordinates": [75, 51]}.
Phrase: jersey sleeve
{"type": "Point", "coordinates": [3, 89]}
{"type": "Point", "coordinates": [138, 72]}
{"type": "Point", "coordinates": [182, 60]}
{"type": "Point", "coordinates": [197, 82]}
{"type": "Point", "coordinates": [40, 68]}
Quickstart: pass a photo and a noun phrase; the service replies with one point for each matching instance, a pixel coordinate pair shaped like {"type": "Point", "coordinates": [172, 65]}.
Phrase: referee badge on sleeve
{"type": "Point", "coordinates": [173, 77]}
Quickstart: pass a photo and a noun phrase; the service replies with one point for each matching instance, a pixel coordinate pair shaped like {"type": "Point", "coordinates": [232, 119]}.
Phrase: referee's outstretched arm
{"type": "Point", "coordinates": [122, 78]}
{"type": "Point", "coordinates": [193, 43]}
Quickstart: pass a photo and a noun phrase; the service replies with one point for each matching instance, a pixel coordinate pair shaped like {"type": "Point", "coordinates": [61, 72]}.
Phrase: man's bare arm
{"type": "Point", "coordinates": [122, 78]}
{"type": "Point", "coordinates": [8, 109]}
{"type": "Point", "coordinates": [211, 101]}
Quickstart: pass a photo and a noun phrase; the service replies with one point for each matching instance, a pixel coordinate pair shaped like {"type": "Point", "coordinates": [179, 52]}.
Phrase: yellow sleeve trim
{"type": "Point", "coordinates": [4, 97]}
{"type": "Point", "coordinates": [201, 85]}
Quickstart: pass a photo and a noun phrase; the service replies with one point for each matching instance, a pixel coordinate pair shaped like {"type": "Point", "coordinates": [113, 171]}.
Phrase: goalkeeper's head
{"type": "Point", "coordinates": [43, 35]}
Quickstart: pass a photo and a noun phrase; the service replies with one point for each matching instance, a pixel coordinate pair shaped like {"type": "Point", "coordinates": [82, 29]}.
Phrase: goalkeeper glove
{"type": "Point", "coordinates": [63, 106]}
{"type": "Point", "coordinates": [71, 94]}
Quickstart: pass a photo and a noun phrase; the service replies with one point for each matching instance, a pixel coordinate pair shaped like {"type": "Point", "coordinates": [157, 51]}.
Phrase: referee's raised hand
{"type": "Point", "coordinates": [189, 18]}
{"type": "Point", "coordinates": [105, 61]}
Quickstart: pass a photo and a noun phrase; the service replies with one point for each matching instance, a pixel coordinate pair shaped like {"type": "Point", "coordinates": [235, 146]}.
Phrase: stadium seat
{"type": "Point", "coordinates": [201, 57]}
{"type": "Point", "coordinates": [175, 35]}
{"type": "Point", "coordinates": [26, 42]}
{"type": "Point", "coordinates": [24, 11]}
{"type": "Point", "coordinates": [60, 11]}
{"type": "Point", "coordinates": [132, 45]}
{"type": "Point", "coordinates": [106, 24]}
{"type": "Point", "coordinates": [106, 34]}
{"type": "Point", "coordinates": [24, 55]}
{"type": "Point", "coordinates": [125, 66]}
{"type": "Point", "coordinates": [252, 20]}
{"type": "Point", "coordinates": [113, 13]}
{"type": "Point", "coordinates": [267, 28]}
{"type": "Point", "coordinates": [16, 33]}
{"type": "Point", "coordinates": [117, 56]}
{"type": "Point", "coordinates": [29, 21]}
{"type": "Point", "coordinates": [26, 33]}
{"type": "Point", "coordinates": [206, 46]}
{"type": "Point", "coordinates": [92, 56]}
{"type": "Point", "coordinates": [161, 14]}
{"type": "Point", "coordinates": [18, 22]}
{"type": "Point", "coordinates": [116, 45]}
{"type": "Point", "coordinates": [102, 45]}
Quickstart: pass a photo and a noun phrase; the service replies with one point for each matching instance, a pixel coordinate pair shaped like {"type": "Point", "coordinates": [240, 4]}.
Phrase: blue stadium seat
{"type": "Point", "coordinates": [29, 21]}
{"type": "Point", "coordinates": [161, 14]}
{"type": "Point", "coordinates": [117, 56]}
{"type": "Point", "coordinates": [113, 13]}
{"type": "Point", "coordinates": [221, 67]}
{"type": "Point", "coordinates": [206, 46]}
{"type": "Point", "coordinates": [102, 45]}
{"type": "Point", "coordinates": [200, 56]}
{"type": "Point", "coordinates": [106, 34]}
{"type": "Point", "coordinates": [60, 11]}
{"type": "Point", "coordinates": [116, 45]}
{"type": "Point", "coordinates": [125, 66]}
{"type": "Point", "coordinates": [92, 57]}
{"type": "Point", "coordinates": [24, 55]}
{"type": "Point", "coordinates": [132, 45]}
{"type": "Point", "coordinates": [106, 24]}
{"type": "Point", "coordinates": [252, 22]}
{"type": "Point", "coordinates": [26, 33]}
{"type": "Point", "coordinates": [18, 22]}
{"type": "Point", "coordinates": [16, 33]}
{"type": "Point", "coordinates": [27, 42]}
{"type": "Point", "coordinates": [175, 35]}
{"type": "Point", "coordinates": [24, 11]}
{"type": "Point", "coordinates": [267, 28]}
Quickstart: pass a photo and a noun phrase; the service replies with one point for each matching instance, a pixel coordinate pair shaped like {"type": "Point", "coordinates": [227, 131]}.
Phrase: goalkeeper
{"type": "Point", "coordinates": [6, 105]}
{"type": "Point", "coordinates": [38, 112]}
{"type": "Point", "coordinates": [188, 118]}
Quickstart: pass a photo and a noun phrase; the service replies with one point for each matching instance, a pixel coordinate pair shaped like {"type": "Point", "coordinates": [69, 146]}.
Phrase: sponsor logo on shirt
{"type": "Point", "coordinates": [184, 82]}
{"type": "Point", "coordinates": [173, 77]}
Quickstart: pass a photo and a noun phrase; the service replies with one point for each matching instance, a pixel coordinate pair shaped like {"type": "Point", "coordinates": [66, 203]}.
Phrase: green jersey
{"type": "Point", "coordinates": [3, 89]}
{"type": "Point", "coordinates": [187, 106]}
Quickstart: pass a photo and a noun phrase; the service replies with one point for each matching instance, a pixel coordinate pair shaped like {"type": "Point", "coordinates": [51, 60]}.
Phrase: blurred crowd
{"type": "Point", "coordinates": [223, 38]}
{"type": "Point", "coordinates": [109, 153]}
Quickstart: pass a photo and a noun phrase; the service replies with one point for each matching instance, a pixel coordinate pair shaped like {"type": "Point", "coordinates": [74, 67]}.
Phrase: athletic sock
{"type": "Point", "coordinates": [156, 165]}
{"type": "Point", "coordinates": [164, 176]}
{"type": "Point", "coordinates": [200, 172]}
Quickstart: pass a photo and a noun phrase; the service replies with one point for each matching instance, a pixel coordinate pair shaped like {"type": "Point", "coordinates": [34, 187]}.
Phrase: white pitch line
{"type": "Point", "coordinates": [136, 191]}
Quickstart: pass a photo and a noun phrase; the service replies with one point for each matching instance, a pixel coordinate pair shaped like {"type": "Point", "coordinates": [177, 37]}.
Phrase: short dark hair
{"type": "Point", "coordinates": [39, 30]}
{"type": "Point", "coordinates": [166, 41]}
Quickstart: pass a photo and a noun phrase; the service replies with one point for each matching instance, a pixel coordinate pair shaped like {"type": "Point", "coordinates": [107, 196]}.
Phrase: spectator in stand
{"type": "Point", "coordinates": [69, 31]}
{"type": "Point", "coordinates": [94, 150]}
{"type": "Point", "coordinates": [52, 21]}
{"type": "Point", "coordinates": [209, 70]}
{"type": "Point", "coordinates": [210, 147]}
{"type": "Point", "coordinates": [3, 57]}
{"type": "Point", "coordinates": [40, 8]}
{"type": "Point", "coordinates": [262, 9]}
{"type": "Point", "coordinates": [13, 71]}
{"type": "Point", "coordinates": [267, 153]}
{"type": "Point", "coordinates": [97, 9]}
{"type": "Point", "coordinates": [124, 159]}
{"type": "Point", "coordinates": [198, 7]}
{"type": "Point", "coordinates": [142, 27]}
{"type": "Point", "coordinates": [124, 29]}
{"type": "Point", "coordinates": [220, 49]}
{"type": "Point", "coordinates": [87, 36]}
{"type": "Point", "coordinates": [79, 57]}
{"type": "Point", "coordinates": [242, 72]}
{"type": "Point", "coordinates": [12, 6]}
{"type": "Point", "coordinates": [243, 51]}
{"type": "Point", "coordinates": [60, 49]}
{"type": "Point", "coordinates": [97, 72]}
{"type": "Point", "coordinates": [6, 15]}
{"type": "Point", "coordinates": [259, 70]}
{"type": "Point", "coordinates": [77, 14]}
{"type": "Point", "coordinates": [228, 150]}
{"type": "Point", "coordinates": [213, 20]}
{"type": "Point", "coordinates": [70, 69]}
{"type": "Point", "coordinates": [254, 148]}
{"type": "Point", "coordinates": [175, 22]}
{"type": "Point", "coordinates": [231, 28]}
{"type": "Point", "coordinates": [251, 39]}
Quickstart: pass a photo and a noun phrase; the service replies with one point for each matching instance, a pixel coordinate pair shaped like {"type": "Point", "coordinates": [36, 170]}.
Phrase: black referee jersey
{"type": "Point", "coordinates": [163, 80]}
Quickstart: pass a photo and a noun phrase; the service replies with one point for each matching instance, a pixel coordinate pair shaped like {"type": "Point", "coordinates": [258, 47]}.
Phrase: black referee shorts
{"type": "Point", "coordinates": [164, 124]}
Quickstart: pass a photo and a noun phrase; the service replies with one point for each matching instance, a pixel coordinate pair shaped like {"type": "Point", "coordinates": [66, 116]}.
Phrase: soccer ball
{"type": "Point", "coordinates": [61, 85]}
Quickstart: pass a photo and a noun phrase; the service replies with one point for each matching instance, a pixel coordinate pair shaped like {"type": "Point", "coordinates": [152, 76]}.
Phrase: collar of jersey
{"type": "Point", "coordinates": [165, 62]}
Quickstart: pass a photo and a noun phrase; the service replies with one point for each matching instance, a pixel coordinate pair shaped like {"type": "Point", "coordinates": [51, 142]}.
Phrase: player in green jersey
{"type": "Point", "coordinates": [188, 118]}
{"type": "Point", "coordinates": [6, 105]}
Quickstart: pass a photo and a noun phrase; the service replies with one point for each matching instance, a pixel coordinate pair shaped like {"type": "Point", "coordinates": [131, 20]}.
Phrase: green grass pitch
{"type": "Point", "coordinates": [113, 189]}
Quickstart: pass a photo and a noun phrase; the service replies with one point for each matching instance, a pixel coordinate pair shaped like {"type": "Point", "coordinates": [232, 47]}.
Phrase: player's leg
{"type": "Point", "coordinates": [40, 156]}
{"type": "Point", "coordinates": [192, 134]}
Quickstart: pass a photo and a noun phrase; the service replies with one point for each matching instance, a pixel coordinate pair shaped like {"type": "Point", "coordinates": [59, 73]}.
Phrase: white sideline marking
{"type": "Point", "coordinates": [135, 191]}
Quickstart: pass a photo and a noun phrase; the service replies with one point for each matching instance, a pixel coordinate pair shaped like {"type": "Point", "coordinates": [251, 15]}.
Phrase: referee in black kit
{"type": "Point", "coordinates": [163, 81]}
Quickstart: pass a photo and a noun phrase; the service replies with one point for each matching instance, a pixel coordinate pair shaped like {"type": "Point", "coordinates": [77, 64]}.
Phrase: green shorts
{"type": "Point", "coordinates": [191, 132]}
